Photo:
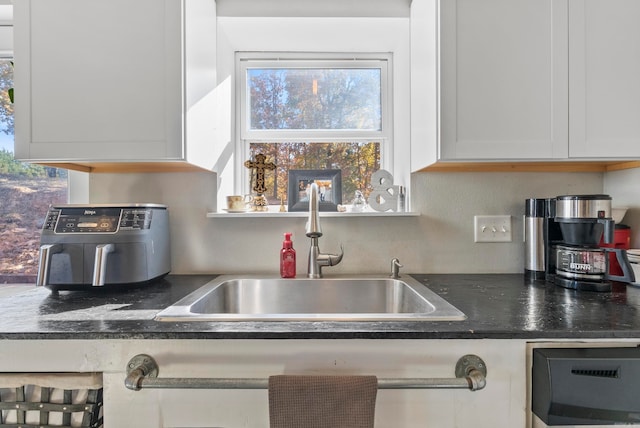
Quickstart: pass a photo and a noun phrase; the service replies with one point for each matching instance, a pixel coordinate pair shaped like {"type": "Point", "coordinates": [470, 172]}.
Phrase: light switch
{"type": "Point", "coordinates": [492, 228]}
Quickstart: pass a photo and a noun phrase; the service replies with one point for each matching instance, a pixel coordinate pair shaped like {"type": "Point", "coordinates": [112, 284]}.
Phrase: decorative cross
{"type": "Point", "coordinates": [257, 168]}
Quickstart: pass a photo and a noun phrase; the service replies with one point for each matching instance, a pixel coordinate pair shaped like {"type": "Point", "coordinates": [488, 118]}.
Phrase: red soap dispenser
{"type": "Point", "coordinates": [287, 258]}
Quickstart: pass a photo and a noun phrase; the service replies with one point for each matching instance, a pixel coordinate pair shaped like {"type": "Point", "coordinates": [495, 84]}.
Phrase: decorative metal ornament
{"type": "Point", "coordinates": [258, 167]}
{"type": "Point", "coordinates": [384, 196]}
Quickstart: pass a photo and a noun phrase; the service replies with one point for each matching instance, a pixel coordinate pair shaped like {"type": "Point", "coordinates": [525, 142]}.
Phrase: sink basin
{"type": "Point", "coordinates": [358, 298]}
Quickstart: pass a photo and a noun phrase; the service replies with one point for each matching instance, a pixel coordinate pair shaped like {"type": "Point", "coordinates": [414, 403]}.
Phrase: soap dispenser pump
{"type": "Point", "coordinates": [287, 258]}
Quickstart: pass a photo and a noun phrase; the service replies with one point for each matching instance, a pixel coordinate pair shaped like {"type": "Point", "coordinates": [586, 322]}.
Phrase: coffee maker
{"type": "Point", "coordinates": [571, 232]}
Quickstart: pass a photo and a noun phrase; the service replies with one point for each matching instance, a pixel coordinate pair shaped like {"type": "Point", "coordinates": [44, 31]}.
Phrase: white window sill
{"type": "Point", "coordinates": [275, 214]}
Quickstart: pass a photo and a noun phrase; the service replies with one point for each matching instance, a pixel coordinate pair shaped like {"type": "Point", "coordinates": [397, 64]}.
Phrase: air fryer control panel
{"type": "Point", "coordinates": [97, 219]}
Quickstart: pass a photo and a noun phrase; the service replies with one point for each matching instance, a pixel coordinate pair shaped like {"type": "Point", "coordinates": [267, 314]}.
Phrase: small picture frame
{"type": "Point", "coordinates": [329, 183]}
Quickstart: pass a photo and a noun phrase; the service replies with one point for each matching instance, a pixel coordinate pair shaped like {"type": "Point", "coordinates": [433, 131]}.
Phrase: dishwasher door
{"type": "Point", "coordinates": [585, 386]}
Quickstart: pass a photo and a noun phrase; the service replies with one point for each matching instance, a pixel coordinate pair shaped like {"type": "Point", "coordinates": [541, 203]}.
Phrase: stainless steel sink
{"type": "Point", "coordinates": [346, 298]}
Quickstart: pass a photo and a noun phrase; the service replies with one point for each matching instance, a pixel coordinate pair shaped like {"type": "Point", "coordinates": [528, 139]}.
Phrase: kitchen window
{"type": "Point", "coordinates": [26, 190]}
{"type": "Point", "coordinates": [315, 111]}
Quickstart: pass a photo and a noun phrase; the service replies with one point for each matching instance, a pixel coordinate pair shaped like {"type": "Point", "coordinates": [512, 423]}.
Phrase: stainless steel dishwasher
{"type": "Point", "coordinates": [585, 386]}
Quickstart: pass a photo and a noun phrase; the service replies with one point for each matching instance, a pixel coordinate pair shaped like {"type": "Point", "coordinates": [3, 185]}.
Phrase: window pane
{"type": "Point", "coordinates": [26, 191]}
{"type": "Point", "coordinates": [357, 161]}
{"type": "Point", "coordinates": [315, 98]}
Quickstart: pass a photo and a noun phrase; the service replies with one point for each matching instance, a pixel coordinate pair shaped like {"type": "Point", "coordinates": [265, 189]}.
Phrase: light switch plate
{"type": "Point", "coordinates": [492, 228]}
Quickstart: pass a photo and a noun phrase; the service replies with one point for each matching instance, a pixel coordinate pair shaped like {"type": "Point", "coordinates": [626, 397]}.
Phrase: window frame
{"type": "Point", "coordinates": [245, 136]}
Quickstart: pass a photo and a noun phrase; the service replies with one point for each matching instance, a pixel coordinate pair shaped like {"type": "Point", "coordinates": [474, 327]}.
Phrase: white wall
{"type": "Point", "coordinates": [439, 241]}
{"type": "Point", "coordinates": [306, 34]}
{"type": "Point", "coordinates": [624, 188]}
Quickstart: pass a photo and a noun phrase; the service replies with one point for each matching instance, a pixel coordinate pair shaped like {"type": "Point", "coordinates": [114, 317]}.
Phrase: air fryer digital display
{"type": "Point", "coordinates": [97, 220]}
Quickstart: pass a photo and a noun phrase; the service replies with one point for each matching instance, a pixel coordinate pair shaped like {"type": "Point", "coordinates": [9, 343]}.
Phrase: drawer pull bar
{"type": "Point", "coordinates": [142, 373]}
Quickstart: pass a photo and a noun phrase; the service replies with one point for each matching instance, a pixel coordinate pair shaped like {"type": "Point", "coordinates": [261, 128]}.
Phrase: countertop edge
{"type": "Point", "coordinates": [497, 306]}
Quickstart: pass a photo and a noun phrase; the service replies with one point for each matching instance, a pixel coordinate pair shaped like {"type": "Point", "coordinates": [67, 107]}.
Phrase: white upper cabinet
{"type": "Point", "coordinates": [525, 80]}
{"type": "Point", "coordinates": [114, 80]}
{"type": "Point", "coordinates": [604, 78]}
{"type": "Point", "coordinates": [503, 79]}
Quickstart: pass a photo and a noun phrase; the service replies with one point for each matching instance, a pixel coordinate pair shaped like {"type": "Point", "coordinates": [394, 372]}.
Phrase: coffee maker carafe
{"type": "Point", "coordinates": [580, 263]}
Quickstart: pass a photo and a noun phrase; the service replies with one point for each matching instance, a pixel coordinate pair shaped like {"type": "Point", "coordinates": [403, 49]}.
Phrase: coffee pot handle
{"type": "Point", "coordinates": [623, 261]}
{"type": "Point", "coordinates": [609, 229]}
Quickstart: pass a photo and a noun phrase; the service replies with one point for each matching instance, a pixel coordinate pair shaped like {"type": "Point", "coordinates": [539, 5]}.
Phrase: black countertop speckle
{"type": "Point", "coordinates": [501, 306]}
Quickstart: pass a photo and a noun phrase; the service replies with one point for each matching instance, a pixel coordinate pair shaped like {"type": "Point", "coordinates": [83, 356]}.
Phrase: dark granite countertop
{"type": "Point", "coordinates": [497, 307]}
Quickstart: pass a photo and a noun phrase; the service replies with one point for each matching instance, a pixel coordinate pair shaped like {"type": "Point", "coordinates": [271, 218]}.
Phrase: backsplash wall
{"type": "Point", "coordinates": [624, 188]}
{"type": "Point", "coordinates": [438, 241]}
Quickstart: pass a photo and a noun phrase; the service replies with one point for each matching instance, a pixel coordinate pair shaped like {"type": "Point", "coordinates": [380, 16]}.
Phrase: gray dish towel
{"type": "Point", "coordinates": [322, 401]}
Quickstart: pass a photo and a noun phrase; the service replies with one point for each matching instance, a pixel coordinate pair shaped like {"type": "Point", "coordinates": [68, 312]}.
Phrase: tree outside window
{"type": "Point", "coordinates": [316, 117]}
{"type": "Point", "coordinates": [26, 190]}
{"type": "Point", "coordinates": [357, 161]}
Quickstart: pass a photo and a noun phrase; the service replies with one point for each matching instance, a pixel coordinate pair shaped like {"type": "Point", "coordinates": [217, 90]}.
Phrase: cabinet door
{"type": "Point", "coordinates": [98, 80]}
{"type": "Point", "coordinates": [604, 78]}
{"type": "Point", "coordinates": [500, 405]}
{"type": "Point", "coordinates": [503, 79]}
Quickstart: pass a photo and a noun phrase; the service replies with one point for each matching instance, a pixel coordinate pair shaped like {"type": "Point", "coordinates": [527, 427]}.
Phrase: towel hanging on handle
{"type": "Point", "coordinates": [322, 401]}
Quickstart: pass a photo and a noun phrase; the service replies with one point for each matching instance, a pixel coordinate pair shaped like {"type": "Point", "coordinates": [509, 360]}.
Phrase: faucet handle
{"type": "Point", "coordinates": [334, 259]}
{"type": "Point", "coordinates": [329, 259]}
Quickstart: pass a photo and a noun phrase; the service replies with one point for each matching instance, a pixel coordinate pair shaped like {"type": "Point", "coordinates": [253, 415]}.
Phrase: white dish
{"type": "Point", "coordinates": [636, 272]}
{"type": "Point", "coordinates": [234, 211]}
{"type": "Point", "coordinates": [618, 214]}
{"type": "Point", "coordinates": [633, 256]}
